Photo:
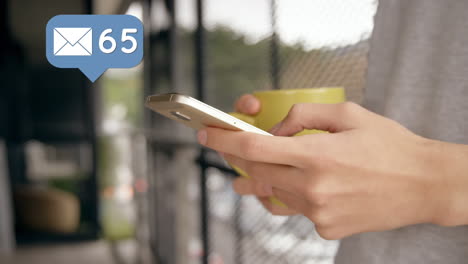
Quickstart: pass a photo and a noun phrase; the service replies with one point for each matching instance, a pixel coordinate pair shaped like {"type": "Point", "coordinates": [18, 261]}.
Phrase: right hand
{"type": "Point", "coordinates": [250, 105]}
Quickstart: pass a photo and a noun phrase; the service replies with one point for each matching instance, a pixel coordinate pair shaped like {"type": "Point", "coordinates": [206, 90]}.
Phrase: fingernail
{"type": "Point", "coordinates": [267, 189]}
{"type": "Point", "coordinates": [276, 128]}
{"type": "Point", "coordinates": [202, 136]}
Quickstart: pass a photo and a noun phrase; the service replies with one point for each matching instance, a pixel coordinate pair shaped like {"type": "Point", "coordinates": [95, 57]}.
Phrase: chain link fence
{"type": "Point", "coordinates": [289, 45]}
{"type": "Point", "coordinates": [250, 45]}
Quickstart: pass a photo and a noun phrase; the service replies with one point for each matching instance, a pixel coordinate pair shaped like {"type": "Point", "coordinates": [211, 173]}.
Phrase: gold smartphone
{"type": "Point", "coordinates": [196, 114]}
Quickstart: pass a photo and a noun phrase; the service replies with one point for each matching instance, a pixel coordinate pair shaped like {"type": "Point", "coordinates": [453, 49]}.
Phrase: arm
{"type": "Point", "coordinates": [368, 174]}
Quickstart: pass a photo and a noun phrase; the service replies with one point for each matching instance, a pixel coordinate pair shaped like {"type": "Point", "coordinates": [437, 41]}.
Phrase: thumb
{"type": "Point", "coordinates": [248, 104]}
{"type": "Point", "coordinates": [328, 117]}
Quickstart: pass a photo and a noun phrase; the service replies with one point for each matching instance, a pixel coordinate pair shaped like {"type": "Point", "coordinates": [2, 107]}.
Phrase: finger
{"type": "Point", "coordinates": [253, 147]}
{"type": "Point", "coordinates": [269, 175]}
{"type": "Point", "coordinates": [327, 117]}
{"type": "Point", "coordinates": [244, 186]}
{"type": "Point", "coordinates": [291, 200]}
{"type": "Point", "coordinates": [247, 104]}
{"type": "Point", "coordinates": [275, 209]}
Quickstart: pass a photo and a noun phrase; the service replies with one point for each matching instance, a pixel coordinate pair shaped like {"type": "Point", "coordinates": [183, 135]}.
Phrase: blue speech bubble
{"type": "Point", "coordinates": [94, 43]}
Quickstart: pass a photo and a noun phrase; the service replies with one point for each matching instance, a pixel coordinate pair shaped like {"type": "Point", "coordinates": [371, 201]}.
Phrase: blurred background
{"type": "Point", "coordinates": [87, 175]}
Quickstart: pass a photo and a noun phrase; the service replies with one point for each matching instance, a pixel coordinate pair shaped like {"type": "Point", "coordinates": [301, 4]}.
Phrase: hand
{"type": "Point", "coordinates": [250, 105]}
{"type": "Point", "coordinates": [368, 174]}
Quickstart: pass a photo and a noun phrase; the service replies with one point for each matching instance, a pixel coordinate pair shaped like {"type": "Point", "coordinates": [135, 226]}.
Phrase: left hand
{"type": "Point", "coordinates": [368, 174]}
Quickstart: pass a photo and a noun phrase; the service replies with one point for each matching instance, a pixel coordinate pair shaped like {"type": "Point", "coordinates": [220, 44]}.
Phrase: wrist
{"type": "Point", "coordinates": [450, 171]}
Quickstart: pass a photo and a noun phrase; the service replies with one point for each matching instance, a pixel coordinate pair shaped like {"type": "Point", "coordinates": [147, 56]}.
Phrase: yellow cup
{"type": "Point", "coordinates": [275, 105]}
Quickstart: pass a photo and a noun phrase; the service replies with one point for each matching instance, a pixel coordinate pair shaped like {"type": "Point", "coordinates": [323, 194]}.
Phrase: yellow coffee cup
{"type": "Point", "coordinates": [275, 105]}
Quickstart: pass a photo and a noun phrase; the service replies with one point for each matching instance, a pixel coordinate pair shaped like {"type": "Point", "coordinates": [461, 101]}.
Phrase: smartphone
{"type": "Point", "coordinates": [195, 114]}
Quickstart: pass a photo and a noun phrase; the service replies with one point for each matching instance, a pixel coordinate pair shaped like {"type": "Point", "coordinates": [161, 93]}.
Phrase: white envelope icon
{"type": "Point", "coordinates": [73, 41]}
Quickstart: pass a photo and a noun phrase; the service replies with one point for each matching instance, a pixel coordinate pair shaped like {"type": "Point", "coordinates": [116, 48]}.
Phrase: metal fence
{"type": "Point", "coordinates": [237, 47]}
{"type": "Point", "coordinates": [242, 231]}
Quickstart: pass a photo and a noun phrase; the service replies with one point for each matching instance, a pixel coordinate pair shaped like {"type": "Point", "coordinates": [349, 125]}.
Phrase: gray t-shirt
{"type": "Point", "coordinates": [418, 76]}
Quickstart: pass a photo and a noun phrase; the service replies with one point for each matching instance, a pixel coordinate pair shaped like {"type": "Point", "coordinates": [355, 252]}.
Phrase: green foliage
{"type": "Point", "coordinates": [126, 91]}
{"type": "Point", "coordinates": [235, 66]}
{"type": "Point", "coordinates": [116, 224]}
{"type": "Point", "coordinates": [107, 160]}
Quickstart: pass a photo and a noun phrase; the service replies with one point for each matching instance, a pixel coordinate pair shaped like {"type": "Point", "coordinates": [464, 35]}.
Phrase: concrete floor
{"type": "Point", "coordinates": [88, 252]}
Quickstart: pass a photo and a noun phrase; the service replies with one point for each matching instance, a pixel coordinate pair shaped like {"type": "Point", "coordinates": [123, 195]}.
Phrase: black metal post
{"type": "Point", "coordinates": [173, 45]}
{"type": "Point", "coordinates": [200, 52]}
{"type": "Point", "coordinates": [200, 85]}
{"type": "Point", "coordinates": [275, 62]}
{"type": "Point", "coordinates": [148, 87]}
{"type": "Point", "coordinates": [91, 105]}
